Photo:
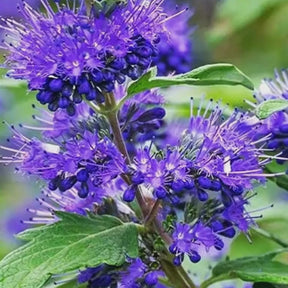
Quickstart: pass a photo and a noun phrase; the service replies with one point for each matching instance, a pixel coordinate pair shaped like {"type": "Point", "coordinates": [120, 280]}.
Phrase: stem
{"type": "Point", "coordinates": [117, 134]}
{"type": "Point", "coordinates": [176, 275]}
{"type": "Point", "coordinates": [119, 141]}
{"type": "Point", "coordinates": [152, 213]}
{"type": "Point", "coordinates": [186, 277]}
{"type": "Point", "coordinates": [173, 275]}
{"type": "Point", "coordinates": [271, 237]}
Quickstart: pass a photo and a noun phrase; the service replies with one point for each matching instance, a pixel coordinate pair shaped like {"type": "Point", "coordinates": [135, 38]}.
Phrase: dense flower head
{"type": "Point", "coordinates": [58, 124]}
{"type": "Point", "coordinates": [69, 54]}
{"type": "Point", "coordinates": [85, 161]}
{"type": "Point", "coordinates": [141, 117]}
{"type": "Point", "coordinates": [214, 154]}
{"type": "Point", "coordinates": [188, 239]}
{"type": "Point", "coordinates": [175, 51]}
{"type": "Point", "coordinates": [224, 148]}
{"type": "Point", "coordinates": [136, 274]}
{"type": "Point", "coordinates": [210, 172]}
{"type": "Point", "coordinates": [51, 201]}
{"type": "Point", "coordinates": [276, 125]}
{"type": "Point", "coordinates": [32, 156]}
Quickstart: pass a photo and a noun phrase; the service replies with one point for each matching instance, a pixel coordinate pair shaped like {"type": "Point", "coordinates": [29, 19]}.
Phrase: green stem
{"type": "Point", "coordinates": [119, 141]}
{"type": "Point", "coordinates": [271, 237]}
{"type": "Point", "coordinates": [176, 275]}
{"type": "Point", "coordinates": [186, 277]}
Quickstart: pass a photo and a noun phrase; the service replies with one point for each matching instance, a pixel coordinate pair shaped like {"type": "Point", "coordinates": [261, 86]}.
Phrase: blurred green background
{"type": "Point", "coordinates": [253, 35]}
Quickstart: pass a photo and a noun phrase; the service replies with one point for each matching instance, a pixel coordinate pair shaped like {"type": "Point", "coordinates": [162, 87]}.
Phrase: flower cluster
{"type": "Point", "coordinates": [276, 126]}
{"type": "Point", "coordinates": [136, 275]}
{"type": "Point", "coordinates": [212, 170]}
{"type": "Point", "coordinates": [175, 52]}
{"type": "Point", "coordinates": [141, 118]}
{"type": "Point", "coordinates": [86, 159]}
{"type": "Point", "coordinates": [66, 59]}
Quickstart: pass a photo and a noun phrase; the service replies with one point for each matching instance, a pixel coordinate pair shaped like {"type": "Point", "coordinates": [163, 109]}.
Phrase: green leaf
{"type": "Point", "coordinates": [269, 107]}
{"type": "Point", "coordinates": [251, 269]}
{"type": "Point", "coordinates": [260, 245]}
{"type": "Point", "coordinates": [267, 285]}
{"type": "Point", "coordinates": [74, 243]}
{"type": "Point", "coordinates": [106, 6]}
{"type": "Point", "coordinates": [282, 182]}
{"type": "Point", "coordinates": [214, 74]}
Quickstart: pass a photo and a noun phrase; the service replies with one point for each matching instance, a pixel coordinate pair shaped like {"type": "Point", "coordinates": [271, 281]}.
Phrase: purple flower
{"type": "Point", "coordinates": [84, 161]}
{"type": "Point", "coordinates": [89, 162]}
{"type": "Point", "coordinates": [139, 275]}
{"type": "Point", "coordinates": [175, 51]}
{"type": "Point", "coordinates": [101, 276]}
{"type": "Point", "coordinates": [141, 117]}
{"type": "Point", "coordinates": [32, 156]}
{"type": "Point", "coordinates": [276, 125]}
{"type": "Point", "coordinates": [59, 124]}
{"type": "Point", "coordinates": [135, 272]}
{"type": "Point", "coordinates": [160, 176]}
{"type": "Point", "coordinates": [188, 239]}
{"type": "Point", "coordinates": [237, 215]}
{"type": "Point", "coordinates": [67, 54]}
{"type": "Point", "coordinates": [224, 150]}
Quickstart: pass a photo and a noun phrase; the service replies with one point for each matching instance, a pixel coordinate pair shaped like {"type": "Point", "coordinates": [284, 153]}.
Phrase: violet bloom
{"type": "Point", "coordinates": [32, 156]}
{"type": "Point", "coordinates": [138, 275]}
{"type": "Point", "coordinates": [160, 176]}
{"type": "Point", "coordinates": [67, 54]}
{"type": "Point", "coordinates": [175, 53]}
{"type": "Point", "coordinates": [84, 161]}
{"type": "Point", "coordinates": [141, 117]}
{"type": "Point", "coordinates": [276, 125]}
{"type": "Point", "coordinates": [224, 152]}
{"type": "Point", "coordinates": [188, 239]}
{"type": "Point", "coordinates": [211, 172]}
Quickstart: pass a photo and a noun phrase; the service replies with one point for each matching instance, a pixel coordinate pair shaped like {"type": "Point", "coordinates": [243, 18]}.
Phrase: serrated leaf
{"type": "Point", "coordinates": [267, 108]}
{"type": "Point", "coordinates": [252, 269]}
{"type": "Point", "coordinates": [74, 243]}
{"type": "Point", "coordinates": [214, 74]}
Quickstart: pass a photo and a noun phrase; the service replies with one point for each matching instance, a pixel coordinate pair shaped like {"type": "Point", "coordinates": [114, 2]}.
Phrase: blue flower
{"type": "Point", "coordinates": [84, 160]}
{"type": "Point", "coordinates": [141, 117]}
{"type": "Point", "coordinates": [32, 156]}
{"type": "Point", "coordinates": [175, 51]}
{"type": "Point", "coordinates": [90, 162]}
{"type": "Point", "coordinates": [224, 150]}
{"type": "Point", "coordinates": [161, 176]}
{"type": "Point", "coordinates": [59, 124]}
{"type": "Point", "coordinates": [139, 275]}
{"type": "Point", "coordinates": [68, 55]}
{"type": "Point", "coordinates": [188, 239]}
{"type": "Point", "coordinates": [102, 276]}
{"type": "Point", "coordinates": [275, 127]}
{"type": "Point", "coordinates": [57, 201]}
